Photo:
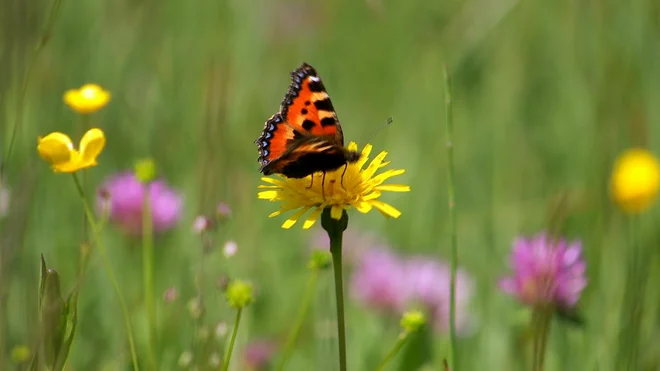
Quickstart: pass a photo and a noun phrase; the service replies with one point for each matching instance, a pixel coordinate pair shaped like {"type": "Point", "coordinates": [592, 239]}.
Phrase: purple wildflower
{"type": "Point", "coordinates": [429, 284]}
{"type": "Point", "coordinates": [546, 272]}
{"type": "Point", "coordinates": [379, 281]}
{"type": "Point", "coordinates": [258, 354]}
{"type": "Point", "coordinates": [126, 196]}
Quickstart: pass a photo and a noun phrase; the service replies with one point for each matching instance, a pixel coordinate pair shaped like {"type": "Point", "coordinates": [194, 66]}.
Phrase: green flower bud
{"type": "Point", "coordinates": [412, 321]}
{"type": "Point", "coordinates": [320, 259]}
{"type": "Point", "coordinates": [20, 354]}
{"type": "Point", "coordinates": [239, 294]}
{"type": "Point", "coordinates": [145, 170]}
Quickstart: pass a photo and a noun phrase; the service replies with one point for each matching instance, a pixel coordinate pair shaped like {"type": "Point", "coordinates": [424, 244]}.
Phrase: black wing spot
{"type": "Point", "coordinates": [308, 125]}
{"type": "Point", "coordinates": [324, 105]}
{"type": "Point", "coordinates": [303, 111]}
{"type": "Point", "coordinates": [316, 86]}
{"type": "Point", "coordinates": [328, 121]}
{"type": "Point", "coordinates": [307, 103]}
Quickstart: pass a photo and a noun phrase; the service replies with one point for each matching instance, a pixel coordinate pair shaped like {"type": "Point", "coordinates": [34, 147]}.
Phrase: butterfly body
{"type": "Point", "coordinates": [305, 137]}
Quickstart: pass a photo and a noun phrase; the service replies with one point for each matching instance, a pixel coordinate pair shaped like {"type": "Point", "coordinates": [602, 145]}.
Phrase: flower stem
{"type": "Point", "coordinates": [541, 323]}
{"type": "Point", "coordinates": [43, 40]}
{"type": "Point", "coordinates": [394, 351]}
{"type": "Point", "coordinates": [225, 366]}
{"type": "Point", "coordinates": [634, 296]}
{"type": "Point", "coordinates": [148, 276]}
{"type": "Point", "coordinates": [110, 271]}
{"type": "Point", "coordinates": [335, 229]}
{"type": "Point", "coordinates": [302, 313]}
{"type": "Point", "coordinates": [452, 220]}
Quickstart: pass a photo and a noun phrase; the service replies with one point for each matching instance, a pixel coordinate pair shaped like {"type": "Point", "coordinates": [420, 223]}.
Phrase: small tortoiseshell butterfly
{"type": "Point", "coordinates": [305, 136]}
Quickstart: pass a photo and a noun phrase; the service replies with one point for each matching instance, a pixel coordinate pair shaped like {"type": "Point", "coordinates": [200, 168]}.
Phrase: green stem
{"type": "Point", "coordinates": [394, 351]}
{"type": "Point", "coordinates": [110, 271]}
{"type": "Point", "coordinates": [452, 220]}
{"type": "Point", "coordinates": [148, 276]}
{"type": "Point", "coordinates": [302, 313]}
{"type": "Point", "coordinates": [43, 40]}
{"type": "Point", "coordinates": [541, 325]}
{"type": "Point", "coordinates": [225, 366]}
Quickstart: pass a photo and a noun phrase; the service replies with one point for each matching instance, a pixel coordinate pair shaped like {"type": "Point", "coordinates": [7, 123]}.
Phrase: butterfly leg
{"type": "Point", "coordinates": [342, 176]}
{"type": "Point", "coordinates": [323, 187]}
{"type": "Point", "coordinates": [311, 183]}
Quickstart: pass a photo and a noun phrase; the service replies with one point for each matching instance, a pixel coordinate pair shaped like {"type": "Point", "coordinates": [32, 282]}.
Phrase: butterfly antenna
{"type": "Point", "coordinates": [378, 129]}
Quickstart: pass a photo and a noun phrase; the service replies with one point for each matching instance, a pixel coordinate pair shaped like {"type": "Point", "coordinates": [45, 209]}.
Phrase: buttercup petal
{"type": "Point", "coordinates": [55, 148]}
{"type": "Point", "coordinates": [91, 145]}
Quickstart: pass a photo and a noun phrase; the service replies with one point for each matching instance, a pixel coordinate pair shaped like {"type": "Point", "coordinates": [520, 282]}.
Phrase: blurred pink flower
{"type": "Point", "coordinates": [258, 354]}
{"type": "Point", "coordinates": [429, 284]}
{"type": "Point", "coordinates": [379, 281]}
{"type": "Point", "coordinates": [393, 284]}
{"type": "Point", "coordinates": [546, 272]}
{"type": "Point", "coordinates": [126, 196]}
{"type": "Point", "coordinates": [230, 248]}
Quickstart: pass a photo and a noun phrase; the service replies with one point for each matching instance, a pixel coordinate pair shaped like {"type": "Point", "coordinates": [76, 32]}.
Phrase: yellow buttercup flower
{"type": "Point", "coordinates": [360, 188]}
{"type": "Point", "coordinates": [88, 99]}
{"type": "Point", "coordinates": [57, 149]}
{"type": "Point", "coordinates": [635, 180]}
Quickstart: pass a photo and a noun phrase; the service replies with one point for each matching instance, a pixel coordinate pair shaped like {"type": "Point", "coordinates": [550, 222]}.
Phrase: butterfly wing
{"type": "Point", "coordinates": [305, 136]}
{"type": "Point", "coordinates": [308, 108]}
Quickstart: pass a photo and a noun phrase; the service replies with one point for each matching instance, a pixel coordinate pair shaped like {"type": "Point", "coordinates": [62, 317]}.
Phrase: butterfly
{"type": "Point", "coordinates": [305, 136]}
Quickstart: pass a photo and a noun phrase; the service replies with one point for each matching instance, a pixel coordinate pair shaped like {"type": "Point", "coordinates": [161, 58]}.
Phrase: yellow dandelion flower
{"type": "Point", "coordinates": [349, 186]}
{"type": "Point", "coordinates": [635, 180]}
{"type": "Point", "coordinates": [57, 149]}
{"type": "Point", "coordinates": [88, 99]}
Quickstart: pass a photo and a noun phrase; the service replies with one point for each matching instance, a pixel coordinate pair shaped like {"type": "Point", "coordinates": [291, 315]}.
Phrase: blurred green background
{"type": "Point", "coordinates": [546, 94]}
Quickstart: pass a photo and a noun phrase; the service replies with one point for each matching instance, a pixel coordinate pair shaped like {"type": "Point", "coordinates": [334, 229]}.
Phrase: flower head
{"type": "Point", "coordinates": [349, 186]}
{"type": "Point", "coordinates": [379, 281]}
{"type": "Point", "coordinates": [88, 99]}
{"type": "Point", "coordinates": [126, 198]}
{"type": "Point", "coordinates": [546, 272]}
{"type": "Point", "coordinates": [429, 285]}
{"type": "Point", "coordinates": [57, 149]}
{"type": "Point", "coordinates": [258, 354]}
{"type": "Point", "coordinates": [635, 180]}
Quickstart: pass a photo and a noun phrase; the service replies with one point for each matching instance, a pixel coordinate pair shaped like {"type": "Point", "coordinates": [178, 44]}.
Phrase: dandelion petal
{"type": "Point", "coordinates": [336, 212]}
{"type": "Point", "coordinates": [386, 209]}
{"type": "Point", "coordinates": [312, 218]}
{"type": "Point", "coordinates": [393, 188]}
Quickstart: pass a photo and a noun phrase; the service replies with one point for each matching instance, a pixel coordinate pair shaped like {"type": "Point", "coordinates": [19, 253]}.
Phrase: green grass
{"type": "Point", "coordinates": [545, 95]}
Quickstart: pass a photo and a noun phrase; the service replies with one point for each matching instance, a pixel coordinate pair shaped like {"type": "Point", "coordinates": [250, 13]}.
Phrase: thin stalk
{"type": "Point", "coordinates": [452, 220]}
{"type": "Point", "coordinates": [225, 366]}
{"type": "Point", "coordinates": [110, 271]}
{"type": "Point", "coordinates": [394, 351]}
{"type": "Point", "coordinates": [544, 333]}
{"type": "Point", "coordinates": [302, 313]}
{"type": "Point", "coordinates": [148, 276]}
{"type": "Point", "coordinates": [43, 40]}
{"type": "Point", "coordinates": [335, 249]}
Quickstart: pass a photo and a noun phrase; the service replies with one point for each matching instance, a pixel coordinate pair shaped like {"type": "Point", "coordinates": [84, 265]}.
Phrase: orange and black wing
{"type": "Point", "coordinates": [305, 136]}
{"type": "Point", "coordinates": [308, 108]}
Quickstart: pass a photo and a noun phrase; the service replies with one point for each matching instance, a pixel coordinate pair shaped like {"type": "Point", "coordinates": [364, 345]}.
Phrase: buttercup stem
{"type": "Point", "coordinates": [335, 229]}
{"type": "Point", "coordinates": [43, 40]}
{"type": "Point", "coordinates": [394, 351]}
{"type": "Point", "coordinates": [225, 366]}
{"type": "Point", "coordinates": [148, 276]}
{"type": "Point", "coordinates": [110, 271]}
{"type": "Point", "coordinates": [452, 220]}
{"type": "Point", "coordinates": [302, 313]}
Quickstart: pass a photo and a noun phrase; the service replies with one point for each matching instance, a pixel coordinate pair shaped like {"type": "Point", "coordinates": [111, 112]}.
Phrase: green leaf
{"type": "Point", "coordinates": [69, 330]}
{"type": "Point", "coordinates": [419, 350]}
{"type": "Point", "coordinates": [53, 317]}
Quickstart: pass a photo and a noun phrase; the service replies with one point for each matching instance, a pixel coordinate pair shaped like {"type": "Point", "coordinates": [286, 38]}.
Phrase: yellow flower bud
{"type": "Point", "coordinates": [635, 180]}
{"type": "Point", "coordinates": [145, 170]}
{"type": "Point", "coordinates": [412, 321]}
{"type": "Point", "coordinates": [88, 99]}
